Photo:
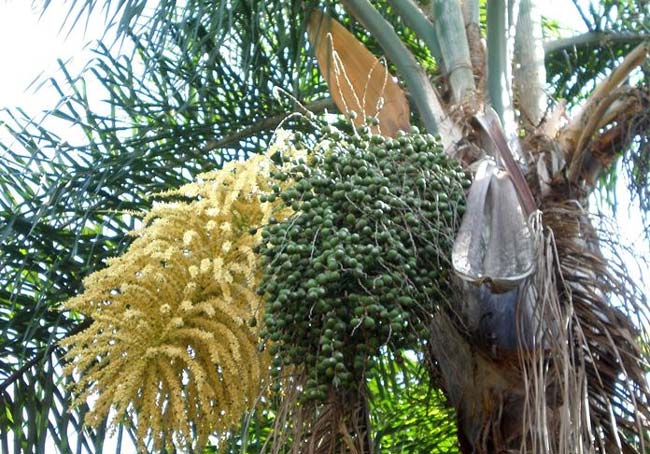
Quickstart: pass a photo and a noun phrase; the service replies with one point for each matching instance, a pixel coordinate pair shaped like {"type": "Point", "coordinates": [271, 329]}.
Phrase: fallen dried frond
{"type": "Point", "coordinates": [587, 390]}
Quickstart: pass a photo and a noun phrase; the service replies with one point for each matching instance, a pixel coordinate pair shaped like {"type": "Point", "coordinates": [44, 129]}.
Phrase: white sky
{"type": "Point", "coordinates": [30, 47]}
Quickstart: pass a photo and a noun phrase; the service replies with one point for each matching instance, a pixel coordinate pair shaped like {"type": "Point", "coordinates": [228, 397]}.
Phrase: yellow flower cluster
{"type": "Point", "coordinates": [171, 344]}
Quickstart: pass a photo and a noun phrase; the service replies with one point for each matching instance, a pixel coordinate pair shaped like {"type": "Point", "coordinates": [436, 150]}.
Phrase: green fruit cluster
{"type": "Point", "coordinates": [364, 260]}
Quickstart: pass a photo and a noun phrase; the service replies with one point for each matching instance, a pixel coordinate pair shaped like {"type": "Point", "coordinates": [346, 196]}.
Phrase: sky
{"type": "Point", "coordinates": [30, 46]}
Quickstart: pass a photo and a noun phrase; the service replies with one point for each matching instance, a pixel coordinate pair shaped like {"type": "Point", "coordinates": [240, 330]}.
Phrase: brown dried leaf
{"type": "Point", "coordinates": [356, 79]}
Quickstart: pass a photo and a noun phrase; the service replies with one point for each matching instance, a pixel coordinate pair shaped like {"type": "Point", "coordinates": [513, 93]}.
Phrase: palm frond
{"type": "Point", "coordinates": [408, 414]}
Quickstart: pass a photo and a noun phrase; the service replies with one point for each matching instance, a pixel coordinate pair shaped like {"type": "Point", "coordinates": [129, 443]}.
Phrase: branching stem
{"type": "Point", "coordinates": [266, 124]}
{"type": "Point", "coordinates": [583, 125]}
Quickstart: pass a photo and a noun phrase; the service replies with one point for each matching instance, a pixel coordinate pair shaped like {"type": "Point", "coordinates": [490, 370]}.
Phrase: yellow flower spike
{"type": "Point", "coordinates": [225, 247]}
{"type": "Point", "coordinates": [170, 345]}
{"type": "Point", "coordinates": [212, 212]}
{"type": "Point", "coordinates": [176, 322]}
{"type": "Point", "coordinates": [205, 265]}
{"type": "Point", "coordinates": [189, 237]}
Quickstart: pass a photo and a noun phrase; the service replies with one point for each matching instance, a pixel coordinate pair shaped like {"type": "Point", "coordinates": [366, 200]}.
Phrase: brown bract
{"type": "Point", "coordinates": [357, 80]}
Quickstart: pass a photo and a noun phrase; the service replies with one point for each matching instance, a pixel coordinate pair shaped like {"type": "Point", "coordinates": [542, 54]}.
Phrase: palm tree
{"type": "Point", "coordinates": [553, 362]}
